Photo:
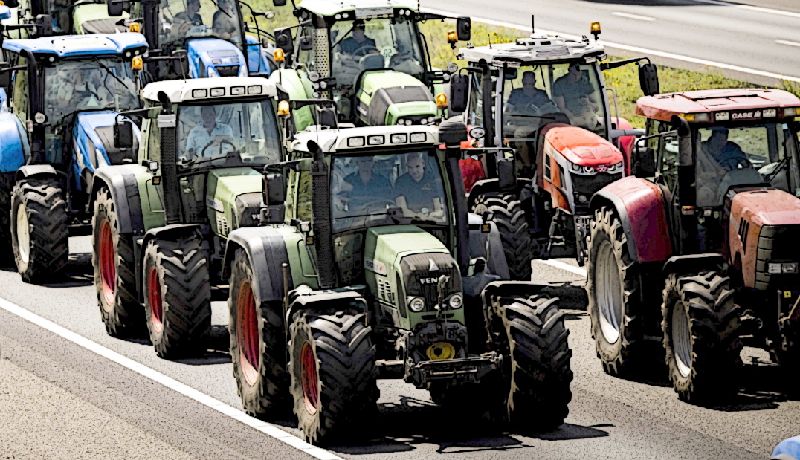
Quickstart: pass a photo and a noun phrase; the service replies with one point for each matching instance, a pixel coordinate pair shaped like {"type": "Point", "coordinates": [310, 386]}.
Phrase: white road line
{"type": "Point", "coordinates": [633, 16]}
{"type": "Point", "coordinates": [756, 9]}
{"type": "Point", "coordinates": [564, 266]}
{"type": "Point", "coordinates": [787, 43]}
{"type": "Point", "coordinates": [219, 406]}
{"type": "Point", "coordinates": [636, 49]}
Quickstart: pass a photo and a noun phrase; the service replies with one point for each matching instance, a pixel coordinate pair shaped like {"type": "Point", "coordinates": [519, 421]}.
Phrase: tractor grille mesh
{"type": "Point", "coordinates": [421, 281]}
{"type": "Point", "coordinates": [587, 186]}
{"type": "Point", "coordinates": [777, 244]}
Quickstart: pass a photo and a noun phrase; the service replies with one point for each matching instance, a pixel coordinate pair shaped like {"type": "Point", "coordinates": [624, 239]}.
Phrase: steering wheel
{"type": "Point", "coordinates": [375, 203]}
{"type": "Point", "coordinates": [221, 142]}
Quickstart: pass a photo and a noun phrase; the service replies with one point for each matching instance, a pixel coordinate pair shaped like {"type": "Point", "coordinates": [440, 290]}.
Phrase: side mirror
{"type": "Point", "coordinates": [123, 134]}
{"type": "Point", "coordinates": [5, 78]}
{"type": "Point", "coordinates": [306, 44]}
{"type": "Point", "coordinates": [43, 25]}
{"type": "Point", "coordinates": [117, 7]}
{"type": "Point", "coordinates": [510, 74]}
{"type": "Point", "coordinates": [279, 2]}
{"type": "Point", "coordinates": [648, 79]}
{"type": "Point", "coordinates": [283, 40]}
{"type": "Point", "coordinates": [506, 174]}
{"type": "Point", "coordinates": [464, 28]}
{"type": "Point", "coordinates": [644, 160]}
{"type": "Point", "coordinates": [274, 189]}
{"type": "Point", "coordinates": [459, 90]}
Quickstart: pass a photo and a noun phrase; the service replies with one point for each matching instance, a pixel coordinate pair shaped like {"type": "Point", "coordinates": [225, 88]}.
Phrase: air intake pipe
{"type": "Point", "coordinates": [321, 206]}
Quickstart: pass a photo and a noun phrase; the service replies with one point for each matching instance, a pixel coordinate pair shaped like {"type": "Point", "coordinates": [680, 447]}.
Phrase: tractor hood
{"type": "Point", "coordinates": [93, 18]}
{"type": "Point", "coordinates": [403, 263]}
{"type": "Point", "coordinates": [93, 135]}
{"type": "Point", "coordinates": [214, 57]}
{"type": "Point", "coordinates": [233, 198]}
{"type": "Point", "coordinates": [766, 207]}
{"type": "Point", "coordinates": [583, 148]}
{"type": "Point", "coordinates": [386, 97]}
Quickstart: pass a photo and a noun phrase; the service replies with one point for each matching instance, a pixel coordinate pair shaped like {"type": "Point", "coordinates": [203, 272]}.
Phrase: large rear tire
{"type": "Point", "coordinates": [177, 296]}
{"type": "Point", "coordinates": [613, 290]}
{"type": "Point", "coordinates": [537, 373]}
{"type": "Point", "coordinates": [40, 229]}
{"type": "Point", "coordinates": [701, 328]}
{"type": "Point", "coordinates": [333, 375]}
{"type": "Point", "coordinates": [509, 217]}
{"type": "Point", "coordinates": [114, 271]}
{"type": "Point", "coordinates": [258, 345]}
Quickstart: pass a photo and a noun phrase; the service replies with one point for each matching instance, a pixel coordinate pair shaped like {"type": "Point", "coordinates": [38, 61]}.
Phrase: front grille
{"type": "Point", "coordinates": [422, 272]}
{"type": "Point", "coordinates": [227, 70]}
{"type": "Point", "coordinates": [587, 186]}
{"type": "Point", "coordinates": [777, 244]}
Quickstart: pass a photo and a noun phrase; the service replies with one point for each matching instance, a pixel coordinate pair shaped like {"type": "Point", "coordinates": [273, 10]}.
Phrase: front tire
{"type": "Point", "coordinates": [508, 215]}
{"type": "Point", "coordinates": [614, 295]}
{"type": "Point", "coordinates": [177, 296]}
{"type": "Point", "coordinates": [700, 327]}
{"type": "Point", "coordinates": [114, 266]}
{"type": "Point", "coordinates": [333, 375]}
{"type": "Point", "coordinates": [39, 229]}
{"type": "Point", "coordinates": [258, 345]}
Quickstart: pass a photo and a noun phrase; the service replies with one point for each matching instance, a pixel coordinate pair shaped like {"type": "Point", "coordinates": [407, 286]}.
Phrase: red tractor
{"type": "Point", "coordinates": [700, 249]}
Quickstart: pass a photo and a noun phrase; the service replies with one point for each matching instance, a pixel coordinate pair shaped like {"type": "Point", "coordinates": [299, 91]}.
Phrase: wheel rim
{"type": "Point", "coordinates": [609, 293]}
{"type": "Point", "coordinates": [247, 333]}
{"type": "Point", "coordinates": [681, 340]}
{"type": "Point", "coordinates": [23, 234]}
{"type": "Point", "coordinates": [154, 297]}
{"type": "Point", "coordinates": [108, 269]}
{"type": "Point", "coordinates": [309, 380]}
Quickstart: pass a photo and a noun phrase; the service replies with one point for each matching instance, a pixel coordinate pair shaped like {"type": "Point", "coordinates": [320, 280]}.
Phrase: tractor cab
{"type": "Point", "coordinates": [371, 58]}
{"type": "Point", "coordinates": [195, 38]}
{"type": "Point", "coordinates": [62, 17]}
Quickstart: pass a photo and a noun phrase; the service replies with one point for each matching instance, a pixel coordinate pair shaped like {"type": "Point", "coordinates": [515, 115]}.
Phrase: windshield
{"type": "Point", "coordinates": [728, 156]}
{"type": "Point", "coordinates": [242, 133]}
{"type": "Point", "coordinates": [182, 19]}
{"type": "Point", "coordinates": [542, 94]}
{"type": "Point", "coordinates": [368, 189]}
{"type": "Point", "coordinates": [375, 44]}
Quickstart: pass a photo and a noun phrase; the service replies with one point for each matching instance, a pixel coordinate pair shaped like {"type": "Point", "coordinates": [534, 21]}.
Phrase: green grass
{"type": "Point", "coordinates": [624, 80]}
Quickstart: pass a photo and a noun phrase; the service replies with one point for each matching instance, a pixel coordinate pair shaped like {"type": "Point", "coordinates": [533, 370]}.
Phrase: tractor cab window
{"type": "Point", "coordinates": [667, 148]}
{"type": "Point", "coordinates": [375, 44]}
{"type": "Point", "coordinates": [231, 134]}
{"type": "Point", "coordinates": [379, 189]}
{"type": "Point", "coordinates": [728, 156]}
{"type": "Point", "coordinates": [182, 19]}
{"type": "Point", "coordinates": [535, 96]}
{"type": "Point", "coordinates": [19, 91]}
{"type": "Point", "coordinates": [475, 110]}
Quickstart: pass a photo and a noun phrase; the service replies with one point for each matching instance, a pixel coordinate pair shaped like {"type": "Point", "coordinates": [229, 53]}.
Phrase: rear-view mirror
{"type": "Point", "coordinates": [5, 78]}
{"type": "Point", "coordinates": [459, 89]}
{"type": "Point", "coordinates": [279, 2]}
{"type": "Point", "coordinates": [115, 7]}
{"type": "Point", "coordinates": [464, 28]}
{"type": "Point", "coordinates": [306, 44]}
{"type": "Point", "coordinates": [644, 160]}
{"type": "Point", "coordinates": [648, 79]}
{"type": "Point", "coordinates": [283, 40]}
{"type": "Point", "coordinates": [44, 25]}
{"type": "Point", "coordinates": [123, 134]}
{"type": "Point", "coordinates": [274, 189]}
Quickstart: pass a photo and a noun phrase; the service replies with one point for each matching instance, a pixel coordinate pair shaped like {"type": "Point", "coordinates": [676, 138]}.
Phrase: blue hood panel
{"type": "Point", "coordinates": [79, 45]}
{"type": "Point", "coordinates": [94, 143]}
{"type": "Point", "coordinates": [13, 143]}
{"type": "Point", "coordinates": [214, 57]}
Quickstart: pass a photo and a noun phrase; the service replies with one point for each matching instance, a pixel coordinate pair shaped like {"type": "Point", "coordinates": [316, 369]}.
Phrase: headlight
{"type": "Point", "coordinates": [456, 301]}
{"type": "Point", "coordinates": [776, 268]}
{"type": "Point", "coordinates": [416, 304]}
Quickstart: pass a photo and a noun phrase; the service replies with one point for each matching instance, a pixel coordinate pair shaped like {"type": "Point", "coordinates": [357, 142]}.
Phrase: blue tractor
{"type": "Point", "coordinates": [63, 102]}
{"type": "Point", "coordinates": [196, 38]}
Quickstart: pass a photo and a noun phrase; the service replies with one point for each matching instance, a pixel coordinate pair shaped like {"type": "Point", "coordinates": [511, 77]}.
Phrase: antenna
{"type": "Point", "coordinates": [490, 40]}
{"type": "Point", "coordinates": [533, 24]}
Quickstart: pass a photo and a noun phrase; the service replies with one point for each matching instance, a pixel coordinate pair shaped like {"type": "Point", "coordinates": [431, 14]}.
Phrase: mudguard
{"type": "Point", "coordinates": [309, 299]}
{"type": "Point", "coordinates": [487, 246]}
{"type": "Point", "coordinates": [485, 186]}
{"type": "Point", "coordinates": [170, 230]}
{"type": "Point", "coordinates": [499, 289]}
{"type": "Point", "coordinates": [640, 206]}
{"type": "Point", "coordinates": [124, 189]}
{"type": "Point", "coordinates": [13, 143]}
{"type": "Point", "coordinates": [266, 250]}
{"type": "Point", "coordinates": [694, 263]}
{"type": "Point", "coordinates": [29, 171]}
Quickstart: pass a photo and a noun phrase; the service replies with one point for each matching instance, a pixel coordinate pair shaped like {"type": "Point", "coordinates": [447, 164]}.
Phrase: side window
{"type": "Point", "coordinates": [548, 174]}
{"type": "Point", "coordinates": [19, 93]}
{"type": "Point", "coordinates": [304, 196]}
{"type": "Point", "coordinates": [153, 145]}
{"type": "Point", "coordinates": [306, 34]}
{"type": "Point", "coordinates": [667, 151]}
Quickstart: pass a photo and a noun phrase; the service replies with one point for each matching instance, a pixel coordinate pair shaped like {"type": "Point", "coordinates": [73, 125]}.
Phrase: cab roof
{"type": "Point", "coordinates": [332, 7]}
{"type": "Point", "coordinates": [538, 48]}
{"type": "Point", "coordinates": [664, 106]}
{"type": "Point", "coordinates": [200, 89]}
{"type": "Point", "coordinates": [376, 137]}
{"type": "Point", "coordinates": [80, 45]}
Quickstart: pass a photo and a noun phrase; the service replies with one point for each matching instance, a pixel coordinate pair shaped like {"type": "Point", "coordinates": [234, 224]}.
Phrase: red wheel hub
{"type": "Point", "coordinates": [309, 378]}
{"type": "Point", "coordinates": [247, 332]}
{"type": "Point", "coordinates": [108, 266]}
{"type": "Point", "coordinates": [154, 297]}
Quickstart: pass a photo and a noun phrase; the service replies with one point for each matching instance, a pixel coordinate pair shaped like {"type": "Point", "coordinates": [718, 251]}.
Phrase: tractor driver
{"type": "Point", "coordinates": [202, 137]}
{"type": "Point", "coordinates": [223, 24]}
{"type": "Point", "coordinates": [358, 44]}
{"type": "Point", "coordinates": [416, 190]}
{"type": "Point", "coordinates": [185, 20]}
{"type": "Point", "coordinates": [715, 157]}
{"type": "Point", "coordinates": [364, 186]}
{"type": "Point", "coordinates": [528, 100]}
{"type": "Point", "coordinates": [574, 95]}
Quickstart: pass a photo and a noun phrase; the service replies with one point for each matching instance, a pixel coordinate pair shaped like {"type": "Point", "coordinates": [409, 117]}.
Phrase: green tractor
{"type": "Point", "coordinates": [371, 59]}
{"type": "Point", "coordinates": [369, 266]}
{"type": "Point", "coordinates": [160, 226]}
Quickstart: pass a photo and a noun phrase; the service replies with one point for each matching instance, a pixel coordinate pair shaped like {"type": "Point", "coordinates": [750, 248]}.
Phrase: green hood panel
{"type": "Point", "coordinates": [96, 13]}
{"type": "Point", "coordinates": [373, 81]}
{"type": "Point", "coordinates": [223, 188]}
{"type": "Point", "coordinates": [388, 244]}
{"type": "Point", "coordinates": [410, 109]}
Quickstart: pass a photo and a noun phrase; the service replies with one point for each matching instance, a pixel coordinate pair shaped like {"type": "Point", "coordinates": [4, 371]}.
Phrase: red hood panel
{"type": "Point", "coordinates": [582, 147]}
{"type": "Point", "coordinates": [768, 207]}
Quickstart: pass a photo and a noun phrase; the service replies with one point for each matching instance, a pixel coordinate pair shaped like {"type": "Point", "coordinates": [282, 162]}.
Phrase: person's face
{"type": "Point", "coordinates": [717, 141]}
{"type": "Point", "coordinates": [574, 73]}
{"type": "Point", "coordinates": [209, 118]}
{"type": "Point", "coordinates": [358, 34]}
{"type": "Point", "coordinates": [416, 168]}
{"type": "Point", "coordinates": [528, 81]}
{"type": "Point", "coordinates": [193, 7]}
{"type": "Point", "coordinates": [364, 165]}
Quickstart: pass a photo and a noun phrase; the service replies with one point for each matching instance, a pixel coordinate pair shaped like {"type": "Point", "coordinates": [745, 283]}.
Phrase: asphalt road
{"type": "Point", "coordinates": [58, 399]}
{"type": "Point", "coordinates": [758, 41]}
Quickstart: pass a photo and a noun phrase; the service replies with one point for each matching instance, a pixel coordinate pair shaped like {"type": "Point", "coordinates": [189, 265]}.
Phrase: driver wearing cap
{"type": "Point", "coordinates": [207, 134]}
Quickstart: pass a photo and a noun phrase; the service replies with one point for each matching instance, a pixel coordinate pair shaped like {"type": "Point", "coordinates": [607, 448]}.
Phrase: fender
{"type": "Point", "coordinates": [266, 250]}
{"type": "Point", "coordinates": [309, 299]}
{"type": "Point", "coordinates": [485, 186]}
{"type": "Point", "coordinates": [640, 202]}
{"type": "Point", "coordinates": [29, 171]}
{"type": "Point", "coordinates": [124, 189]}
{"type": "Point", "coordinates": [487, 246]}
{"type": "Point", "coordinates": [694, 263]}
{"type": "Point", "coordinates": [500, 289]}
{"type": "Point", "coordinates": [170, 231]}
{"type": "Point", "coordinates": [13, 143]}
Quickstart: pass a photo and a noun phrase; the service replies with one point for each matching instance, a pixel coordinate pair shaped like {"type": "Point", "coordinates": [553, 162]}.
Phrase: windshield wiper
{"type": "Point", "coordinates": [200, 161]}
{"type": "Point", "coordinates": [108, 71]}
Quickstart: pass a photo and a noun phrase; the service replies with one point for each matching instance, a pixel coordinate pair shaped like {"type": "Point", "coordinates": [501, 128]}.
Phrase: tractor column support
{"type": "Point", "coordinates": [321, 204]}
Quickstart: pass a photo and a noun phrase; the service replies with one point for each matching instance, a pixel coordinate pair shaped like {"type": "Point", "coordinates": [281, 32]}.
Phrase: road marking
{"type": "Point", "coordinates": [219, 406]}
{"type": "Point", "coordinates": [564, 266]}
{"type": "Point", "coordinates": [633, 16]}
{"type": "Point", "coordinates": [757, 9]}
{"type": "Point", "coordinates": [636, 49]}
{"type": "Point", "coordinates": [787, 43]}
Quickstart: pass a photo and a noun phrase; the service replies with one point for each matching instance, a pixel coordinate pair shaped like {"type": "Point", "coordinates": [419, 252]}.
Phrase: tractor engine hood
{"type": "Point", "coordinates": [93, 138]}
{"type": "Point", "coordinates": [583, 148]}
{"type": "Point", "coordinates": [214, 57]}
{"type": "Point", "coordinates": [766, 207]}
{"type": "Point", "coordinates": [388, 97]}
{"type": "Point", "coordinates": [404, 263]}
{"type": "Point", "coordinates": [234, 197]}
